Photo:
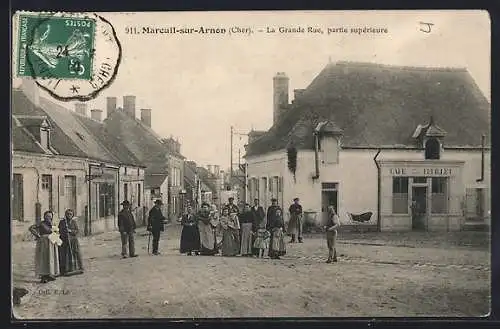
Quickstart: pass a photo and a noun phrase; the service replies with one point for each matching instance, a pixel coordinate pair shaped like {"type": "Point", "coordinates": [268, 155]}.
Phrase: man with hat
{"type": "Point", "coordinates": [156, 222]}
{"type": "Point", "coordinates": [126, 226]}
{"type": "Point", "coordinates": [295, 224]}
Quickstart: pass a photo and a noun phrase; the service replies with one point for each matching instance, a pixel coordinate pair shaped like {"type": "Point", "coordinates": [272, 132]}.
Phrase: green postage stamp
{"type": "Point", "coordinates": [55, 47]}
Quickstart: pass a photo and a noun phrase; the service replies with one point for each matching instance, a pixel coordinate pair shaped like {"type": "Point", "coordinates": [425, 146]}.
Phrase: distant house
{"type": "Point", "coordinates": [162, 158]}
{"type": "Point", "coordinates": [404, 143]}
{"type": "Point", "coordinates": [64, 160]}
{"type": "Point", "coordinates": [208, 185]}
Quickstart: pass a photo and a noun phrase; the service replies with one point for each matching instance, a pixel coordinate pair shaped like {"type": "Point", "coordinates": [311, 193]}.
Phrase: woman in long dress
{"type": "Point", "coordinates": [277, 245]}
{"type": "Point", "coordinates": [230, 233]}
{"type": "Point", "coordinates": [190, 236]}
{"type": "Point", "coordinates": [246, 222]}
{"type": "Point", "coordinates": [47, 250]}
{"type": "Point", "coordinates": [206, 227]}
{"type": "Point", "coordinates": [70, 257]}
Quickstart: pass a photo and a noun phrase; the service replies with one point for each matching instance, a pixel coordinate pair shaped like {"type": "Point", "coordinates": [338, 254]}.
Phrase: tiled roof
{"type": "Point", "coordinates": [71, 134]}
{"type": "Point", "coordinates": [154, 180]}
{"type": "Point", "coordinates": [21, 105]}
{"type": "Point", "coordinates": [380, 106]}
{"type": "Point", "coordinates": [189, 172]}
{"type": "Point", "coordinates": [22, 141]}
{"type": "Point", "coordinates": [206, 177]}
{"type": "Point", "coordinates": [86, 141]}
{"type": "Point", "coordinates": [109, 141]}
{"type": "Point", "coordinates": [140, 140]}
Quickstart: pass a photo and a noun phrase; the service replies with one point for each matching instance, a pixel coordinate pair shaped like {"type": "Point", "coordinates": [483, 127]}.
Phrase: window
{"type": "Point", "coordinates": [107, 200]}
{"type": "Point", "coordinates": [138, 172]}
{"type": "Point", "coordinates": [329, 150]}
{"type": "Point", "coordinates": [432, 149]}
{"type": "Point", "coordinates": [47, 182]}
{"type": "Point", "coordinates": [400, 195]}
{"type": "Point", "coordinates": [439, 197]}
{"type": "Point", "coordinates": [125, 171]}
{"type": "Point", "coordinates": [174, 204]}
{"type": "Point", "coordinates": [70, 193]}
{"type": "Point", "coordinates": [125, 191]}
{"type": "Point", "coordinates": [46, 195]}
{"type": "Point", "coordinates": [138, 195]}
{"type": "Point", "coordinates": [44, 138]}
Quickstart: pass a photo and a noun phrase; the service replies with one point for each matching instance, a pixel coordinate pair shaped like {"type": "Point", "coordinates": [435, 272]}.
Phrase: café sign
{"type": "Point", "coordinates": [420, 171]}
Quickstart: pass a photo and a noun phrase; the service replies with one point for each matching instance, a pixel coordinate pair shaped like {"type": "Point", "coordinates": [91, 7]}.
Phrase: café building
{"type": "Point", "coordinates": [394, 148]}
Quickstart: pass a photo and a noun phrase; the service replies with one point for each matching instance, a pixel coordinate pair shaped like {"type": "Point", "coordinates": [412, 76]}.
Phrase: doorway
{"type": "Point", "coordinates": [17, 198]}
{"type": "Point", "coordinates": [329, 197]}
{"type": "Point", "coordinates": [419, 208]}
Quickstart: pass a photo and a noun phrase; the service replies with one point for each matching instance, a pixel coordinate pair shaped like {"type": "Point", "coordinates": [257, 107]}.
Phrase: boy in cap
{"type": "Point", "coordinates": [156, 220]}
{"type": "Point", "coordinates": [126, 226]}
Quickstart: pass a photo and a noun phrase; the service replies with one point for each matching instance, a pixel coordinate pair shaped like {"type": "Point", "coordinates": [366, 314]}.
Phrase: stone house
{"type": "Point", "coordinates": [410, 145]}
{"type": "Point", "coordinates": [65, 160]}
{"type": "Point", "coordinates": [164, 162]}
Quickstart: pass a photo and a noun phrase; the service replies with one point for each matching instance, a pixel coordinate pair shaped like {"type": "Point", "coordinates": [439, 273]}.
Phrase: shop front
{"type": "Point", "coordinates": [103, 192]}
{"type": "Point", "coordinates": [421, 195]}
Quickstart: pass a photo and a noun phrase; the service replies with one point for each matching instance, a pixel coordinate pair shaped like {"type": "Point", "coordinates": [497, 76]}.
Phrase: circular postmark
{"type": "Point", "coordinates": [72, 56]}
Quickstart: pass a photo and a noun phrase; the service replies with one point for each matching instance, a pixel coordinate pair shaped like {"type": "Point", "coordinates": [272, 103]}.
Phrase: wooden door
{"type": "Point", "coordinates": [17, 197]}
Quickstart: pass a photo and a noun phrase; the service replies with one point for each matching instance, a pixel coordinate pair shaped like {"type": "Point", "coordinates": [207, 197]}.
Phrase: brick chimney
{"type": "Point", "coordinates": [110, 105]}
{"type": "Point", "coordinates": [146, 117]}
{"type": "Point", "coordinates": [96, 114]}
{"type": "Point", "coordinates": [81, 108]}
{"type": "Point", "coordinates": [280, 94]}
{"type": "Point", "coordinates": [129, 105]}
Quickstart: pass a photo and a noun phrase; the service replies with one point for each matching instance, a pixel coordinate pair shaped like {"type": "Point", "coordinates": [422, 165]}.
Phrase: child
{"type": "Point", "coordinates": [331, 228]}
{"type": "Point", "coordinates": [262, 239]}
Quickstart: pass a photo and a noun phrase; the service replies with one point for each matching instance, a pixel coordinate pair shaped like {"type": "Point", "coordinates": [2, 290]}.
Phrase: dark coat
{"type": "Point", "coordinates": [246, 217]}
{"type": "Point", "coordinates": [156, 220]}
{"type": "Point", "coordinates": [126, 222]}
{"type": "Point", "coordinates": [271, 214]}
{"type": "Point", "coordinates": [295, 209]}
{"type": "Point", "coordinates": [258, 216]}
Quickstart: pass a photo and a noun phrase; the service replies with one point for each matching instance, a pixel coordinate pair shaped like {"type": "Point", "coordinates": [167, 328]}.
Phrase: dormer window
{"type": "Point", "coordinates": [432, 149]}
{"type": "Point", "coordinates": [327, 139]}
{"type": "Point", "coordinates": [430, 137]}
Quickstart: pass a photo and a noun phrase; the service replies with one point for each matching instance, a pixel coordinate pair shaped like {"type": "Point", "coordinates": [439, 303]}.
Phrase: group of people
{"type": "Point", "coordinates": [57, 251]}
{"type": "Point", "coordinates": [231, 232]}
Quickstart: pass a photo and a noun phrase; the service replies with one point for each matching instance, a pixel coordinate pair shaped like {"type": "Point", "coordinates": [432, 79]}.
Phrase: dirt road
{"type": "Point", "coordinates": [371, 279]}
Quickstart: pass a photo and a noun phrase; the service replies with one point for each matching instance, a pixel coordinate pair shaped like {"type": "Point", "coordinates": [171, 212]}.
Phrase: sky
{"type": "Point", "coordinates": [198, 86]}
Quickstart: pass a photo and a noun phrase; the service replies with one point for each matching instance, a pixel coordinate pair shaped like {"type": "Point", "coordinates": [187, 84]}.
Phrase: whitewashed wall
{"type": "Point", "coordinates": [32, 167]}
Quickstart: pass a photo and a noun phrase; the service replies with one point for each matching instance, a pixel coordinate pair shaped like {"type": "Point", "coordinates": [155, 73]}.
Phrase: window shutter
{"type": "Point", "coordinates": [470, 203]}
{"type": "Point", "coordinates": [61, 186]}
{"type": "Point", "coordinates": [80, 185]}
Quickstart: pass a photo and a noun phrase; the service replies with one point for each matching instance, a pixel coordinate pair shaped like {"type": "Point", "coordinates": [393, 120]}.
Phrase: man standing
{"type": "Point", "coordinates": [156, 222]}
{"type": "Point", "coordinates": [331, 228]}
{"type": "Point", "coordinates": [126, 226]}
{"type": "Point", "coordinates": [258, 215]}
{"type": "Point", "coordinates": [231, 207]}
{"type": "Point", "coordinates": [271, 212]}
{"type": "Point", "coordinates": [295, 225]}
